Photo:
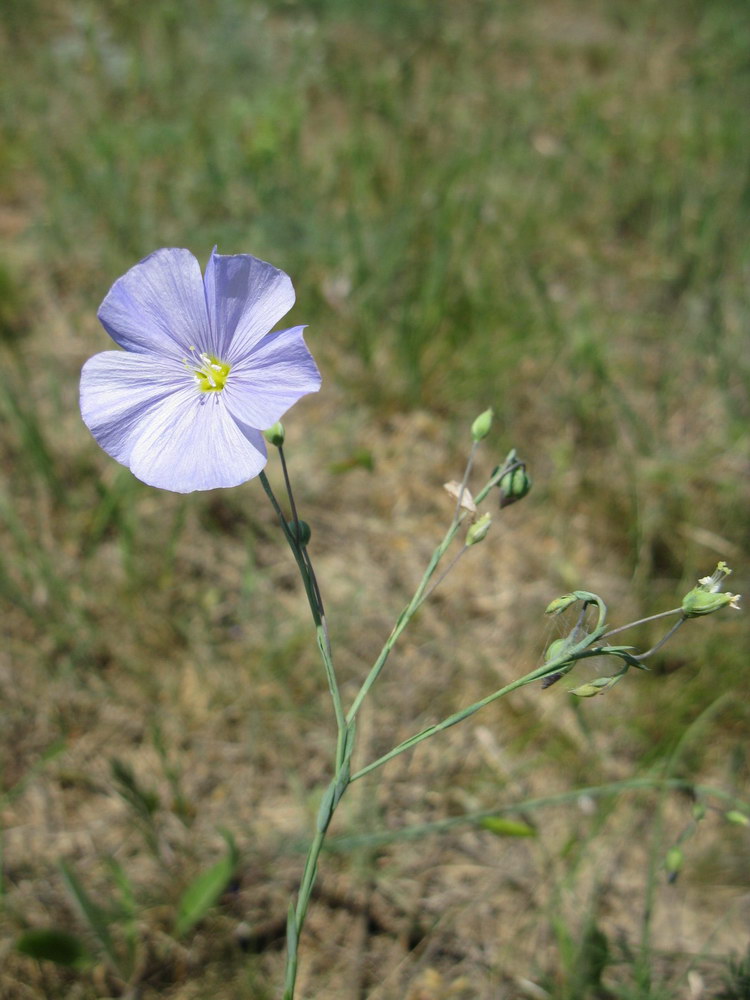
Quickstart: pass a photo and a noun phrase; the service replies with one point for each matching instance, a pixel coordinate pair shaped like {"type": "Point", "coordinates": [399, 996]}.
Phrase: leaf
{"type": "Point", "coordinates": [203, 892]}
{"type": "Point", "coordinates": [52, 945]}
{"type": "Point", "coordinates": [94, 915]}
{"type": "Point", "coordinates": [506, 827]}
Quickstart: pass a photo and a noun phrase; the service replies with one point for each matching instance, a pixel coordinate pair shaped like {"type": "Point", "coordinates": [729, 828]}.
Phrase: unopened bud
{"type": "Point", "coordinates": [514, 486]}
{"type": "Point", "coordinates": [702, 602]}
{"type": "Point", "coordinates": [275, 435]}
{"type": "Point", "coordinates": [699, 811]}
{"type": "Point", "coordinates": [560, 604]}
{"type": "Point", "coordinates": [478, 530]}
{"type": "Point", "coordinates": [556, 649]}
{"type": "Point", "coordinates": [481, 426]}
{"type": "Point", "coordinates": [300, 530]}
{"type": "Point", "coordinates": [597, 686]}
{"type": "Point", "coordinates": [673, 863]}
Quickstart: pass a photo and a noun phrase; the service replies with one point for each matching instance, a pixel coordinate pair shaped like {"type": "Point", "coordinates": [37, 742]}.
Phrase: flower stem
{"type": "Point", "coordinates": [642, 621]}
{"type": "Point", "coordinates": [312, 590]}
{"type": "Point", "coordinates": [420, 593]}
{"type": "Point", "coordinates": [549, 668]}
{"type": "Point", "coordinates": [346, 724]}
{"type": "Point", "coordinates": [664, 638]}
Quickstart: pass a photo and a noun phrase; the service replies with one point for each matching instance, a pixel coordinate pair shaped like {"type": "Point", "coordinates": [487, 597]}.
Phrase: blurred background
{"type": "Point", "coordinates": [540, 207]}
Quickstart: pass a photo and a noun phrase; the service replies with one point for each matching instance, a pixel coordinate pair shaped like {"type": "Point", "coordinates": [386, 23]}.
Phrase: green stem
{"type": "Point", "coordinates": [642, 621]}
{"type": "Point", "coordinates": [345, 724]}
{"type": "Point", "coordinates": [665, 638]}
{"type": "Point", "coordinates": [381, 838]}
{"type": "Point", "coordinates": [345, 734]}
{"type": "Point", "coordinates": [547, 669]}
{"type": "Point", "coordinates": [419, 595]}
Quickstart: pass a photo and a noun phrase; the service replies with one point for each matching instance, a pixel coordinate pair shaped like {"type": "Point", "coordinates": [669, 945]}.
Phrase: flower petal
{"type": "Point", "coordinates": [262, 387]}
{"type": "Point", "coordinates": [190, 442]}
{"type": "Point", "coordinates": [118, 390]}
{"type": "Point", "coordinates": [245, 298]}
{"type": "Point", "coordinates": [159, 306]}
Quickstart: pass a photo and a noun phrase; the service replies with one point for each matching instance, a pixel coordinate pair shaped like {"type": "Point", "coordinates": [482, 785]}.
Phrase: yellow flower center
{"type": "Point", "coordinates": [209, 372]}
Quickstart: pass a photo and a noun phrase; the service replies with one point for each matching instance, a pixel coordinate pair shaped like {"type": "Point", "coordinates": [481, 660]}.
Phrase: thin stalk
{"type": "Point", "coordinates": [304, 563]}
{"type": "Point", "coordinates": [377, 839]}
{"type": "Point", "coordinates": [311, 589]}
{"type": "Point", "coordinates": [446, 571]}
{"type": "Point", "coordinates": [664, 638]}
{"type": "Point", "coordinates": [345, 725]}
{"type": "Point", "coordinates": [545, 670]}
{"type": "Point", "coordinates": [300, 909]}
{"type": "Point", "coordinates": [420, 593]}
{"type": "Point", "coordinates": [293, 545]}
{"type": "Point", "coordinates": [642, 621]}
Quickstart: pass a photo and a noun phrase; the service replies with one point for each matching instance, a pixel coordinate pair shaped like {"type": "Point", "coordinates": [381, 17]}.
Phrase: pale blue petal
{"type": "Point", "coordinates": [189, 442]}
{"type": "Point", "coordinates": [159, 306]}
{"type": "Point", "coordinates": [245, 298]}
{"type": "Point", "coordinates": [262, 387]}
{"type": "Point", "coordinates": [118, 390]}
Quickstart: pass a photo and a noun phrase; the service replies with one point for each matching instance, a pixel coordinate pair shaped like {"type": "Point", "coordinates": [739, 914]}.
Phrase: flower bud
{"type": "Point", "coordinates": [481, 426]}
{"type": "Point", "coordinates": [560, 604]}
{"type": "Point", "coordinates": [556, 648]}
{"type": "Point", "coordinates": [300, 530]}
{"type": "Point", "coordinates": [706, 597]}
{"type": "Point", "coordinates": [673, 863]}
{"type": "Point", "coordinates": [514, 486]}
{"type": "Point", "coordinates": [597, 686]}
{"type": "Point", "coordinates": [478, 530]}
{"type": "Point", "coordinates": [698, 602]}
{"type": "Point", "coordinates": [275, 435]}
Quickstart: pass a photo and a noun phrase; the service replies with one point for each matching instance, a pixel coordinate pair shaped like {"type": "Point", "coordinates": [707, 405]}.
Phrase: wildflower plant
{"type": "Point", "coordinates": [191, 404]}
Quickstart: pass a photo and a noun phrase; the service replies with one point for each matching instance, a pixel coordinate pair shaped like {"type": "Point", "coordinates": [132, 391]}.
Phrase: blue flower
{"type": "Point", "coordinates": [184, 405]}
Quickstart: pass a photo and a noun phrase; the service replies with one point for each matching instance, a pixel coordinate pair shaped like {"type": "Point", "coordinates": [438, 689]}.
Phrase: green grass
{"type": "Point", "coordinates": [539, 207]}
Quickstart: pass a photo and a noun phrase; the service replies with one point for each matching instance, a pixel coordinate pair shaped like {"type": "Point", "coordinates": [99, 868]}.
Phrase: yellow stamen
{"type": "Point", "coordinates": [209, 372]}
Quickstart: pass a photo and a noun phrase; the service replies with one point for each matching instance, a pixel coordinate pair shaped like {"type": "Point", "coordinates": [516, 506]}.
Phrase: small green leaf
{"type": "Point", "coordinates": [737, 817]}
{"type": "Point", "coordinates": [51, 945]}
{"type": "Point", "coordinates": [97, 919]}
{"type": "Point", "coordinates": [203, 892]}
{"type": "Point", "coordinates": [507, 827]}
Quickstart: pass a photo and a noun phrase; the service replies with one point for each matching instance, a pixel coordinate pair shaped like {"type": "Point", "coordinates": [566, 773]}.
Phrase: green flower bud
{"type": "Point", "coordinates": [514, 486]}
{"type": "Point", "coordinates": [478, 530]}
{"type": "Point", "coordinates": [700, 602]}
{"type": "Point", "coordinates": [699, 811]}
{"type": "Point", "coordinates": [275, 435]}
{"type": "Point", "coordinates": [556, 648]}
{"type": "Point", "coordinates": [673, 863]}
{"type": "Point", "coordinates": [597, 686]}
{"type": "Point", "coordinates": [304, 531]}
{"type": "Point", "coordinates": [560, 604]}
{"type": "Point", "coordinates": [481, 426]}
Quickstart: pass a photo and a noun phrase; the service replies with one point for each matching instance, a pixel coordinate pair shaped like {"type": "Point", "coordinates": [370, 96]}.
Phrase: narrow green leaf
{"type": "Point", "coordinates": [52, 945]}
{"type": "Point", "coordinates": [94, 915]}
{"type": "Point", "coordinates": [507, 827]}
{"type": "Point", "coordinates": [202, 893]}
